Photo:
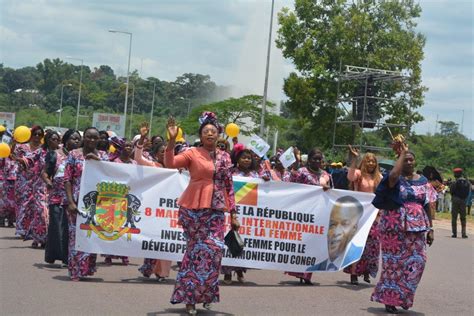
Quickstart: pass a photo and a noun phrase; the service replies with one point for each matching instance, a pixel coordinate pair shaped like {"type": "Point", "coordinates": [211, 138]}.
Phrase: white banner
{"type": "Point", "coordinates": [109, 122]}
{"type": "Point", "coordinates": [7, 119]}
{"type": "Point", "coordinates": [131, 210]}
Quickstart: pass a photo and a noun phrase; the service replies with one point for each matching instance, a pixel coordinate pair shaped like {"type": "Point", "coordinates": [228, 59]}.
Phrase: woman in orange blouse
{"type": "Point", "coordinates": [209, 194]}
{"type": "Point", "coordinates": [366, 178]}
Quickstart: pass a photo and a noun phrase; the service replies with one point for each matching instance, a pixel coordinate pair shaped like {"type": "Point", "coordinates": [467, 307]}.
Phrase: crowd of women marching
{"type": "Point", "coordinates": [40, 183]}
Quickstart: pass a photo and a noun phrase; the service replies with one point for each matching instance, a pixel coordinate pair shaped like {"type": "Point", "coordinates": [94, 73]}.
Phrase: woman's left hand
{"type": "Point", "coordinates": [326, 187]}
{"type": "Point", "coordinates": [430, 238]}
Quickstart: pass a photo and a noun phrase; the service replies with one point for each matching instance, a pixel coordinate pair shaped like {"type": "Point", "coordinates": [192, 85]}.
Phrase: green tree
{"type": "Point", "coordinates": [448, 128]}
{"type": "Point", "coordinates": [319, 36]}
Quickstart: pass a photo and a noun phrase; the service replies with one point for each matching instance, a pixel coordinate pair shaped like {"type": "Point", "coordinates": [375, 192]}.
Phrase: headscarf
{"type": "Point", "coordinates": [119, 144]}
{"type": "Point", "coordinates": [209, 118]}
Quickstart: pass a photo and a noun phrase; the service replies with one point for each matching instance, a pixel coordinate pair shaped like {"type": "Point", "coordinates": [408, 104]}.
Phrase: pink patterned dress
{"type": "Point", "coordinates": [32, 219]}
{"type": "Point", "coordinates": [403, 241]}
{"type": "Point", "coordinates": [80, 264]}
{"type": "Point", "coordinates": [198, 277]}
{"type": "Point", "coordinates": [8, 205]}
{"type": "Point", "coordinates": [305, 176]}
{"type": "Point", "coordinates": [369, 261]}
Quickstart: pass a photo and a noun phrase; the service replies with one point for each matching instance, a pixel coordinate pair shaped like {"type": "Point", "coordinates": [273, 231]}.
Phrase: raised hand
{"type": "Point", "coordinates": [172, 128]}
{"type": "Point", "coordinates": [144, 129]}
{"type": "Point", "coordinates": [353, 151]}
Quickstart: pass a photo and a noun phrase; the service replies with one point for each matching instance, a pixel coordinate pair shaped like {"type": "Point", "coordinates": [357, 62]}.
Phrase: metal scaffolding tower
{"type": "Point", "coordinates": [366, 106]}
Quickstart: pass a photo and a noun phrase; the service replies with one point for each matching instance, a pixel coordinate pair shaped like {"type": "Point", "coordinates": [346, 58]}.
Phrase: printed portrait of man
{"type": "Point", "coordinates": [343, 224]}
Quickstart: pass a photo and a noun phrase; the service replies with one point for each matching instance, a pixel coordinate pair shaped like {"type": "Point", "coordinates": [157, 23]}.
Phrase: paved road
{"type": "Point", "coordinates": [28, 286]}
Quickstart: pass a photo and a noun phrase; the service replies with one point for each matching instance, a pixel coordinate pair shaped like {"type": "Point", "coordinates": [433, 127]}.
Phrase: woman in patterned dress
{"type": "Point", "coordinates": [80, 264]}
{"type": "Point", "coordinates": [32, 219]}
{"type": "Point", "coordinates": [312, 174]}
{"type": "Point", "coordinates": [161, 268]}
{"type": "Point", "coordinates": [279, 172]}
{"type": "Point", "coordinates": [245, 167]}
{"type": "Point", "coordinates": [53, 176]}
{"type": "Point", "coordinates": [201, 214]}
{"type": "Point", "coordinates": [405, 231]}
{"type": "Point", "coordinates": [8, 206]}
{"type": "Point", "coordinates": [366, 179]}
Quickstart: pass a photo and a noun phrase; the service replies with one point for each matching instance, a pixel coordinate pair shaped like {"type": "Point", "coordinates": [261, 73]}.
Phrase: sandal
{"type": "Point", "coordinates": [207, 306]}
{"type": "Point", "coordinates": [240, 276]}
{"type": "Point", "coordinates": [391, 309]}
{"type": "Point", "coordinates": [305, 281]}
{"type": "Point", "coordinates": [354, 280]}
{"type": "Point", "coordinates": [191, 309]}
{"type": "Point", "coordinates": [367, 278]}
{"type": "Point", "coordinates": [227, 279]}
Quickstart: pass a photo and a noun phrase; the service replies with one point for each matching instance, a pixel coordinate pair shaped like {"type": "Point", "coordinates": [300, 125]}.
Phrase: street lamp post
{"type": "Point", "coordinates": [131, 112]}
{"type": "Point", "coordinates": [189, 104]}
{"type": "Point", "coordinates": [80, 88]}
{"type": "Point", "coordinates": [264, 104]}
{"type": "Point", "coordinates": [152, 105]}
{"type": "Point", "coordinates": [128, 70]}
{"type": "Point", "coordinates": [61, 103]}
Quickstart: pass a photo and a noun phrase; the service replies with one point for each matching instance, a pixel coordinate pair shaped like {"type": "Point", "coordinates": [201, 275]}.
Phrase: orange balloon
{"type": "Point", "coordinates": [232, 130]}
{"type": "Point", "coordinates": [22, 134]}
{"type": "Point", "coordinates": [4, 150]}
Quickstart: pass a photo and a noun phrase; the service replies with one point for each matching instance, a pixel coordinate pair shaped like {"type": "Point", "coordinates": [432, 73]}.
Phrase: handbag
{"type": "Point", "coordinates": [234, 242]}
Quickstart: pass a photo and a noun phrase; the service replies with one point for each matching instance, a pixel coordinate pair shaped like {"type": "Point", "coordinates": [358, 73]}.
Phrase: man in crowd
{"type": "Point", "coordinates": [459, 192]}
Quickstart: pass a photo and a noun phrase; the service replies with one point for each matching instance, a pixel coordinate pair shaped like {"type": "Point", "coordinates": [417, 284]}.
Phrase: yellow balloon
{"type": "Point", "coordinates": [180, 134]}
{"type": "Point", "coordinates": [112, 149]}
{"type": "Point", "coordinates": [180, 140]}
{"type": "Point", "coordinates": [2, 128]}
{"type": "Point", "coordinates": [232, 130]}
{"type": "Point", "coordinates": [4, 150]}
{"type": "Point", "coordinates": [22, 134]}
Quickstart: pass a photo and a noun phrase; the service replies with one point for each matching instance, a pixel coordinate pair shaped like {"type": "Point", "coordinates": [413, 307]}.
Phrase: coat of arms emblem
{"type": "Point", "coordinates": [111, 211]}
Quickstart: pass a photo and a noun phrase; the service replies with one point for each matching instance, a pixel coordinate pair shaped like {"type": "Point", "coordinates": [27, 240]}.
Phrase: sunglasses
{"type": "Point", "coordinates": [221, 146]}
{"type": "Point", "coordinates": [38, 134]}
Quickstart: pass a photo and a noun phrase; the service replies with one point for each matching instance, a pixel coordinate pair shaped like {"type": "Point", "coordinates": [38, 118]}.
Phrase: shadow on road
{"type": "Point", "coordinates": [381, 311]}
{"type": "Point", "coordinates": [16, 247]}
{"type": "Point", "coordinates": [11, 238]}
{"type": "Point", "coordinates": [182, 311]}
{"type": "Point", "coordinates": [88, 280]}
{"type": "Point", "coordinates": [290, 283]}
{"type": "Point", "coordinates": [134, 281]}
{"type": "Point", "coordinates": [49, 266]}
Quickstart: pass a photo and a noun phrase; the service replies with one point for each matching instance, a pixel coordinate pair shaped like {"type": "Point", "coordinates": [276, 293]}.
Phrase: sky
{"type": "Point", "coordinates": [224, 39]}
